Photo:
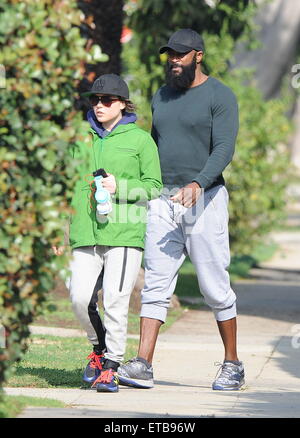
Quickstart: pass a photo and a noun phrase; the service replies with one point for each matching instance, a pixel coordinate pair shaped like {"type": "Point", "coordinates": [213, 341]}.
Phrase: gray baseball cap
{"type": "Point", "coordinates": [109, 84]}
{"type": "Point", "coordinates": [184, 40]}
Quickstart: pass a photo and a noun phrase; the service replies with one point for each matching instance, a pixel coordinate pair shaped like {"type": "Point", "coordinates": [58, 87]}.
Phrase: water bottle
{"type": "Point", "coordinates": [102, 197]}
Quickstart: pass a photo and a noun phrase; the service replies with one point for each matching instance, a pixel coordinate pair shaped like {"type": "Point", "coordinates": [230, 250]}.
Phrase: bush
{"type": "Point", "coordinates": [260, 172]}
{"type": "Point", "coordinates": [44, 56]}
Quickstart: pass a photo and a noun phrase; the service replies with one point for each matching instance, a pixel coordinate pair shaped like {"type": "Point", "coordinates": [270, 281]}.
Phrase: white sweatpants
{"type": "Point", "coordinates": [173, 232]}
{"type": "Point", "coordinates": [120, 267]}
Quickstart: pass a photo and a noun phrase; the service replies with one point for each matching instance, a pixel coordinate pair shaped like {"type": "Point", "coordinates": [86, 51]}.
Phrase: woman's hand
{"type": "Point", "coordinates": [109, 183]}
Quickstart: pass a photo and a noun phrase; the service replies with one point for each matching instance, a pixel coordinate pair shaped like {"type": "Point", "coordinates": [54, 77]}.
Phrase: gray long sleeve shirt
{"type": "Point", "coordinates": [195, 131]}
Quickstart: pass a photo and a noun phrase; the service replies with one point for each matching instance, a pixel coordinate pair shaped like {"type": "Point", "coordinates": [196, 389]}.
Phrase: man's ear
{"type": "Point", "coordinates": [199, 56]}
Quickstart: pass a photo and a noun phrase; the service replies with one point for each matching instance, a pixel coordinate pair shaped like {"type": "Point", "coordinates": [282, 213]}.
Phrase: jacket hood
{"type": "Point", "coordinates": [97, 126]}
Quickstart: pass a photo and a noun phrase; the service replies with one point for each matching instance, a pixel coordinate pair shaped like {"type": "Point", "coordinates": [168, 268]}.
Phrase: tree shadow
{"type": "Point", "coordinates": [274, 274]}
{"type": "Point", "coordinates": [262, 404]}
{"type": "Point", "coordinates": [288, 348]}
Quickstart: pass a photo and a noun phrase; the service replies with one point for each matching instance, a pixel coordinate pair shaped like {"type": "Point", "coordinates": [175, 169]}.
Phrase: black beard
{"type": "Point", "coordinates": [183, 80]}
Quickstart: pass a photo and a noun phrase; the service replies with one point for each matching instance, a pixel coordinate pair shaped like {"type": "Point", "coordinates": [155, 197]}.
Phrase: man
{"type": "Point", "coordinates": [195, 124]}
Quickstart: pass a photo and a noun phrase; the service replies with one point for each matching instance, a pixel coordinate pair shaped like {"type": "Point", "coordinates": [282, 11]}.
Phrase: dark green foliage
{"type": "Point", "coordinates": [44, 56]}
{"type": "Point", "coordinates": [260, 172]}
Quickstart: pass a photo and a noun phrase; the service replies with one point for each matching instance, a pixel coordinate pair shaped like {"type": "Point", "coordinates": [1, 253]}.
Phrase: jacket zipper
{"type": "Point", "coordinates": [98, 155]}
{"type": "Point", "coordinates": [96, 168]}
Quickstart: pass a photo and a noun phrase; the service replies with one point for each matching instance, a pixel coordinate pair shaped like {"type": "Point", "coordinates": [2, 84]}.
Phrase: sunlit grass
{"type": "Point", "coordinates": [11, 405]}
{"type": "Point", "coordinates": [53, 361]}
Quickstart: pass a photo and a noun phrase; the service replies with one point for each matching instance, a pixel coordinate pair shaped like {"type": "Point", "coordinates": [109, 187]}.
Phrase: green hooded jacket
{"type": "Point", "coordinates": [130, 154]}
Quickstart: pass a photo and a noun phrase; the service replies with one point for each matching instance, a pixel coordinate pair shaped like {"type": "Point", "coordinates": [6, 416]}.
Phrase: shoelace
{"type": "Point", "coordinates": [105, 376]}
{"type": "Point", "coordinates": [126, 364]}
{"type": "Point", "coordinates": [225, 370]}
{"type": "Point", "coordinates": [95, 360]}
{"type": "Point", "coordinates": [134, 359]}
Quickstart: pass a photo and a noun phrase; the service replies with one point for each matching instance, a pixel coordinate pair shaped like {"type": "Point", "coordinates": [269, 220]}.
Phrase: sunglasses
{"type": "Point", "coordinates": [105, 100]}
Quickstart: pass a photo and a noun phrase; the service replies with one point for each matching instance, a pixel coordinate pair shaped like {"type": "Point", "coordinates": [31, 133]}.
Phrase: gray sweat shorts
{"type": "Point", "coordinates": [201, 232]}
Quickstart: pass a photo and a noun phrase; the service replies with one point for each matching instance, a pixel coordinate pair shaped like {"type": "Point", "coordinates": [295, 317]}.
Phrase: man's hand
{"type": "Point", "coordinates": [188, 195]}
{"type": "Point", "coordinates": [109, 183]}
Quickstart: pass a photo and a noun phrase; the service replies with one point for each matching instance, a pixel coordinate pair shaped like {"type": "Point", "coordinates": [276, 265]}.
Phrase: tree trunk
{"type": "Point", "coordinates": [279, 35]}
{"type": "Point", "coordinates": [102, 26]}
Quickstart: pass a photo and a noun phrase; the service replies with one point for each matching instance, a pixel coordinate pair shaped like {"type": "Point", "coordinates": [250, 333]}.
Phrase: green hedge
{"type": "Point", "coordinates": [44, 56]}
{"type": "Point", "coordinates": [260, 171]}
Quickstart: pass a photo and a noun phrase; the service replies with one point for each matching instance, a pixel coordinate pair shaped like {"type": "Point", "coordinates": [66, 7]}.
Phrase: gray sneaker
{"type": "Point", "coordinates": [231, 377]}
{"type": "Point", "coordinates": [137, 373]}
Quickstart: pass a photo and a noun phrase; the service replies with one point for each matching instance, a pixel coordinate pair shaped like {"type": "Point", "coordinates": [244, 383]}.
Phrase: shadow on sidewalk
{"type": "Point", "coordinates": [288, 347]}
{"type": "Point", "coordinates": [263, 404]}
{"type": "Point", "coordinates": [275, 274]}
{"type": "Point", "coordinates": [269, 299]}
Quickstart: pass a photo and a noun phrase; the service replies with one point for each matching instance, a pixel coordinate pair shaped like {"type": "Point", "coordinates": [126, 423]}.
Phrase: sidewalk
{"type": "Point", "coordinates": [269, 346]}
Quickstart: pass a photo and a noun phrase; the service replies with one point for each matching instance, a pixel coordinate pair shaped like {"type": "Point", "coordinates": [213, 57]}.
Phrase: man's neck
{"type": "Point", "coordinates": [199, 78]}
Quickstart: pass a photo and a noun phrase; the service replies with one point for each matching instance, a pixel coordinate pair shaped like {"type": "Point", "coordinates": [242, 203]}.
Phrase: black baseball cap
{"type": "Point", "coordinates": [184, 40]}
{"type": "Point", "coordinates": [109, 84]}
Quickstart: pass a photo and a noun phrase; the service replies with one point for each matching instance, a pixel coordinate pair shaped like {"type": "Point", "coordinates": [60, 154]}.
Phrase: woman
{"type": "Point", "coordinates": [108, 248]}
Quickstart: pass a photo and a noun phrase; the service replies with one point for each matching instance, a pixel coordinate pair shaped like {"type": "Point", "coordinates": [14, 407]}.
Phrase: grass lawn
{"type": "Point", "coordinates": [11, 406]}
{"type": "Point", "coordinates": [187, 283]}
{"type": "Point", "coordinates": [53, 362]}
